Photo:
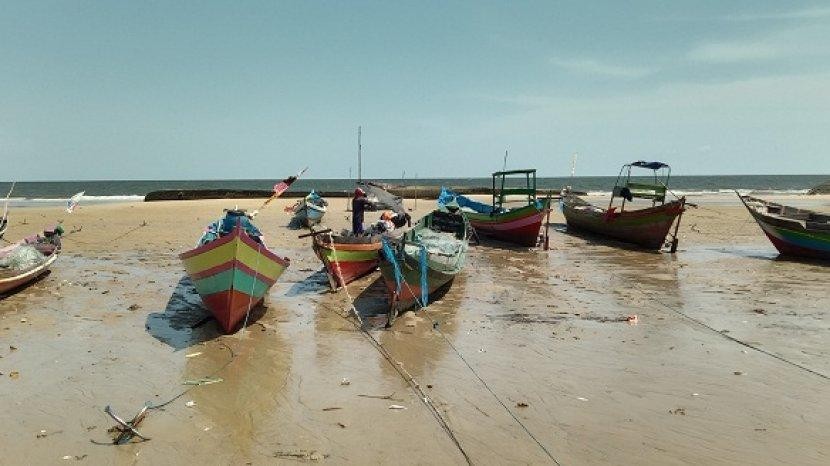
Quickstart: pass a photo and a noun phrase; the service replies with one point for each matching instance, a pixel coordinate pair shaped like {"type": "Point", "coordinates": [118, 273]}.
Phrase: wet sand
{"type": "Point", "coordinates": [115, 322]}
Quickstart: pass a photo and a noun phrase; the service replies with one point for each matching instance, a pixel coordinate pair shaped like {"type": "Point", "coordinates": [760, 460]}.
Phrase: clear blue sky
{"type": "Point", "coordinates": [248, 89]}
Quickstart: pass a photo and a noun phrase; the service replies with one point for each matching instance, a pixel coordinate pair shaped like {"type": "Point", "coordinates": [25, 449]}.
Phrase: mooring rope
{"type": "Point", "coordinates": [435, 326]}
{"type": "Point", "coordinates": [739, 341]}
{"type": "Point", "coordinates": [405, 375]}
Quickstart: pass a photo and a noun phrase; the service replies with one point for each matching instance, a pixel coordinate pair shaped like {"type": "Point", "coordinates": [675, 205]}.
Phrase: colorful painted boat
{"type": "Point", "coordinates": [424, 259]}
{"type": "Point", "coordinates": [47, 245]}
{"type": "Point", "coordinates": [519, 225]}
{"type": "Point", "coordinates": [233, 273]}
{"type": "Point", "coordinates": [346, 258]}
{"type": "Point", "coordinates": [646, 227]}
{"type": "Point", "coordinates": [793, 231]}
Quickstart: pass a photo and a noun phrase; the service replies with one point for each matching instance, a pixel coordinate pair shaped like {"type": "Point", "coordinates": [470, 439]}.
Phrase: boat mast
{"type": "Point", "coordinates": [359, 150]}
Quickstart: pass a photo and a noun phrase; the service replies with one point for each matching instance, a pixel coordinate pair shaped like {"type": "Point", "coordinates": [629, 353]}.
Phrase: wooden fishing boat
{"type": "Point", "coordinates": [424, 259]}
{"type": "Point", "coordinates": [48, 245]}
{"type": "Point", "coordinates": [233, 272]}
{"type": "Point", "coordinates": [519, 224]}
{"type": "Point", "coordinates": [309, 211]}
{"type": "Point", "coordinates": [346, 258]}
{"type": "Point", "coordinates": [793, 231]}
{"type": "Point", "coordinates": [12, 281]}
{"type": "Point", "coordinates": [647, 227]}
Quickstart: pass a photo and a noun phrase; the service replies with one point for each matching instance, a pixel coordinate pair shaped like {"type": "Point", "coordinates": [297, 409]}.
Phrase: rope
{"type": "Point", "coordinates": [405, 375]}
{"type": "Point", "coordinates": [253, 285]}
{"type": "Point", "coordinates": [480, 379]}
{"type": "Point", "coordinates": [476, 374]}
{"type": "Point", "coordinates": [741, 342]}
{"type": "Point", "coordinates": [191, 387]}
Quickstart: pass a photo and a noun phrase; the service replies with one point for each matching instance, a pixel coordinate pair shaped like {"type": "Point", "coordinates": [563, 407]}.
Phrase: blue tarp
{"type": "Point", "coordinates": [448, 197]}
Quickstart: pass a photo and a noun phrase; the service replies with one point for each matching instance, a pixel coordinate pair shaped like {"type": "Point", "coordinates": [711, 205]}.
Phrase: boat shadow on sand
{"type": "Point", "coordinates": [372, 304]}
{"type": "Point", "coordinates": [185, 321]}
{"type": "Point", "coordinates": [315, 283]}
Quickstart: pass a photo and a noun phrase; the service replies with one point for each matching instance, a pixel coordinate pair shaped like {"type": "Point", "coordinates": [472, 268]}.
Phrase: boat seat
{"type": "Point", "coordinates": [653, 192]}
{"type": "Point", "coordinates": [823, 226]}
{"type": "Point", "coordinates": [515, 192]}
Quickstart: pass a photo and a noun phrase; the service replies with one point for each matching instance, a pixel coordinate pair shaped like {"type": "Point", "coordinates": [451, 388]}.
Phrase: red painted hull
{"type": "Point", "coordinates": [527, 235]}
{"type": "Point", "coordinates": [350, 271]}
{"type": "Point", "coordinates": [229, 307]}
{"type": "Point", "coordinates": [647, 228]}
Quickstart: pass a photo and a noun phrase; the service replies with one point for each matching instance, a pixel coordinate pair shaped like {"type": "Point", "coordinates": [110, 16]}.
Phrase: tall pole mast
{"type": "Point", "coordinates": [359, 155]}
{"type": "Point", "coordinates": [504, 165]}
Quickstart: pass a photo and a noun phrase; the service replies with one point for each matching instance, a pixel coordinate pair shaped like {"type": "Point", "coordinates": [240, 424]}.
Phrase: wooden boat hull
{"type": "Point", "coordinates": [309, 214]}
{"type": "Point", "coordinates": [647, 228]}
{"type": "Point", "coordinates": [438, 276]}
{"type": "Point", "coordinates": [520, 225]}
{"type": "Point", "coordinates": [232, 275]}
{"type": "Point", "coordinates": [411, 286]}
{"type": "Point", "coordinates": [346, 262]}
{"type": "Point", "coordinates": [791, 237]}
{"type": "Point", "coordinates": [9, 284]}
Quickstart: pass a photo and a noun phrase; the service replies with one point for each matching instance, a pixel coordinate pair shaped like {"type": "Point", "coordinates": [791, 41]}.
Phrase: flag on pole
{"type": "Point", "coordinates": [283, 185]}
{"type": "Point", "coordinates": [279, 188]}
{"type": "Point", "coordinates": [73, 202]}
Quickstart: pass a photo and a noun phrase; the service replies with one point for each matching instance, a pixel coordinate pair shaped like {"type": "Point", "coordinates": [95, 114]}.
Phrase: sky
{"type": "Point", "coordinates": [259, 89]}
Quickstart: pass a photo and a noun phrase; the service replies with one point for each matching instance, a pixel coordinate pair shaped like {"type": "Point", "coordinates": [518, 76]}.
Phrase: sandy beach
{"type": "Point", "coordinates": [546, 334]}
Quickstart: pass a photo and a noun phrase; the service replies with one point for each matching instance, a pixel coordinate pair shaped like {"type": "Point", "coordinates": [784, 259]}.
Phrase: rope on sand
{"type": "Point", "coordinates": [741, 342]}
{"type": "Point", "coordinates": [405, 375]}
{"type": "Point", "coordinates": [436, 326]}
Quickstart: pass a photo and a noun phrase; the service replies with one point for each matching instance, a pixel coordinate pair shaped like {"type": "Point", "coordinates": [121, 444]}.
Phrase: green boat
{"type": "Point", "coordinates": [424, 260]}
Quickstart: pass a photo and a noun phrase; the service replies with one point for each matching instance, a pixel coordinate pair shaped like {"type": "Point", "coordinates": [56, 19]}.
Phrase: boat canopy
{"type": "Point", "coordinates": [500, 191]}
{"type": "Point", "coordinates": [649, 165]}
{"type": "Point", "coordinates": [653, 190]}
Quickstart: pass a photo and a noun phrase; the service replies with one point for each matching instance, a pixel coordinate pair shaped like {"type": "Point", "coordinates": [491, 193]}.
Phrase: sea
{"type": "Point", "coordinates": [49, 192]}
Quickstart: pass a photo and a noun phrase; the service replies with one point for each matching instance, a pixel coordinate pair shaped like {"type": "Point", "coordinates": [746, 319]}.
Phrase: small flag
{"type": "Point", "coordinates": [283, 185]}
{"type": "Point", "coordinates": [73, 202]}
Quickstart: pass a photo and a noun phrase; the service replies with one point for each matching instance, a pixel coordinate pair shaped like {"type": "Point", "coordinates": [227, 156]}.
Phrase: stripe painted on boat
{"type": "Point", "coordinates": [252, 257]}
{"type": "Point", "coordinates": [349, 256]}
{"type": "Point", "coordinates": [231, 265]}
{"type": "Point", "coordinates": [809, 243]}
{"type": "Point", "coordinates": [232, 279]}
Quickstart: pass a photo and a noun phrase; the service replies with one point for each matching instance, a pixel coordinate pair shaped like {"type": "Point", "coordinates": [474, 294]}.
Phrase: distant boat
{"type": "Point", "coordinates": [232, 269]}
{"type": "Point", "coordinates": [519, 225]}
{"type": "Point", "coordinates": [346, 257]}
{"type": "Point", "coordinates": [793, 231]}
{"type": "Point", "coordinates": [39, 251]}
{"type": "Point", "coordinates": [309, 211]}
{"type": "Point", "coordinates": [424, 259]}
{"type": "Point", "coordinates": [648, 227]}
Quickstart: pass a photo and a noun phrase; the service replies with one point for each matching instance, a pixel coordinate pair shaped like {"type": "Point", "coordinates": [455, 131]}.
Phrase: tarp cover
{"type": "Point", "coordinates": [381, 198]}
{"type": "Point", "coordinates": [649, 165]}
{"type": "Point", "coordinates": [451, 198]}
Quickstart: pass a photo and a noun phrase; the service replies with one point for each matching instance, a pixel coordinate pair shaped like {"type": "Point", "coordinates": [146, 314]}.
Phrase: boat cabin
{"type": "Point", "coordinates": [652, 188]}
{"type": "Point", "coordinates": [501, 189]}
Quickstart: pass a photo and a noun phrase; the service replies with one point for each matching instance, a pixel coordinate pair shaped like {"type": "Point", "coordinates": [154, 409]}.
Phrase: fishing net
{"type": "Point", "coordinates": [21, 258]}
{"type": "Point", "coordinates": [444, 250]}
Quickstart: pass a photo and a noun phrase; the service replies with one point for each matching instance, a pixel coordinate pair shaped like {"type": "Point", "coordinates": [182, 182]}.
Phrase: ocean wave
{"type": "Point", "coordinates": [62, 200]}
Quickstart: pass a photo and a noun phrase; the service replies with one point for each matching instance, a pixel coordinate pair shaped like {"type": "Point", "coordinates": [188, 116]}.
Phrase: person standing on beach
{"type": "Point", "coordinates": [359, 204]}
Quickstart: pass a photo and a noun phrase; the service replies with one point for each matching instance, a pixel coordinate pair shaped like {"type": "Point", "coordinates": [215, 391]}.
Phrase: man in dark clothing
{"type": "Point", "coordinates": [359, 204]}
